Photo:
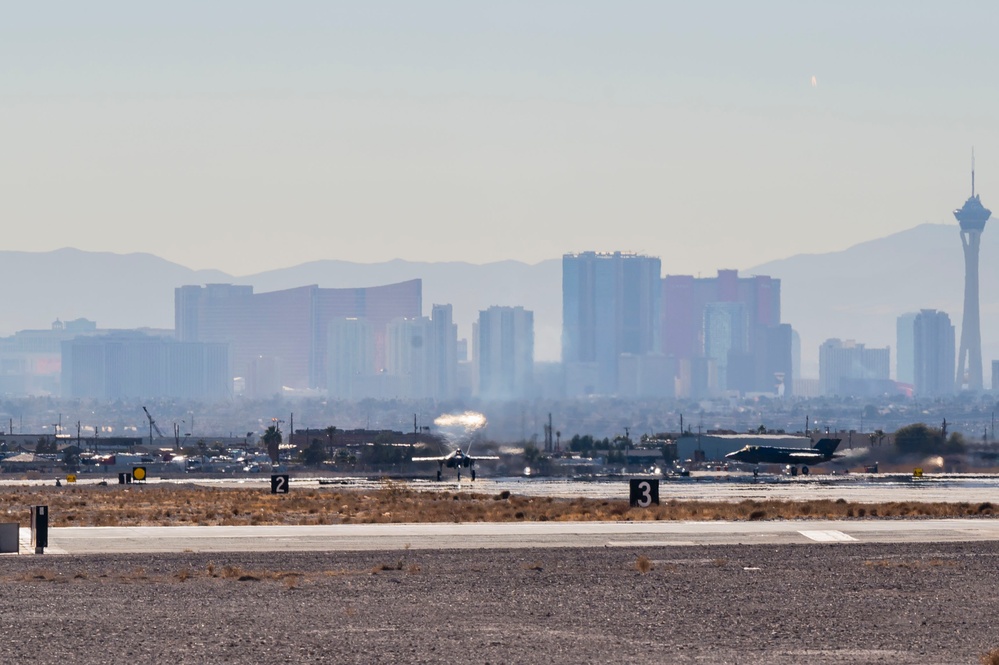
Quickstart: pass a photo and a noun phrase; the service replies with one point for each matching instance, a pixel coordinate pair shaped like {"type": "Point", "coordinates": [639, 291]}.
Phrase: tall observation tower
{"type": "Point", "coordinates": [972, 217]}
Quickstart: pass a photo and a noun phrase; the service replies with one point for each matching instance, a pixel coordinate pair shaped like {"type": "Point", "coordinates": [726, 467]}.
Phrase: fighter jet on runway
{"type": "Point", "coordinates": [822, 451]}
{"type": "Point", "coordinates": [456, 459]}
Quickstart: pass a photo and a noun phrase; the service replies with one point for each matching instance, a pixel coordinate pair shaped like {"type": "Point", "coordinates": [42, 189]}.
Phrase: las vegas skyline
{"type": "Point", "coordinates": [246, 137]}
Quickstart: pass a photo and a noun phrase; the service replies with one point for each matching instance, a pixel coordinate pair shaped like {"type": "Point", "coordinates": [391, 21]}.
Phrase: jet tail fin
{"type": "Point", "coordinates": [827, 446]}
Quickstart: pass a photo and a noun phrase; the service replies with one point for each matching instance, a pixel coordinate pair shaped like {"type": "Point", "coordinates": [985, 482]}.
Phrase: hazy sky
{"type": "Point", "coordinates": [254, 135]}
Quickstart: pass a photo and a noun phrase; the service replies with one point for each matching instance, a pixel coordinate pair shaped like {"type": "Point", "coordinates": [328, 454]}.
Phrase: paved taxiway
{"type": "Point", "coordinates": [356, 537]}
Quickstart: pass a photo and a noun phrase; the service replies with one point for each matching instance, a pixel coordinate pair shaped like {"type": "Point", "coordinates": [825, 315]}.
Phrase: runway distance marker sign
{"type": "Point", "coordinates": [644, 492]}
{"type": "Point", "coordinates": [279, 483]}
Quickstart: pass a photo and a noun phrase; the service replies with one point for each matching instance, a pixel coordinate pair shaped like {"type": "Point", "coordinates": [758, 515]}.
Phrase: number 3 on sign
{"type": "Point", "coordinates": [644, 492]}
{"type": "Point", "coordinates": [279, 483]}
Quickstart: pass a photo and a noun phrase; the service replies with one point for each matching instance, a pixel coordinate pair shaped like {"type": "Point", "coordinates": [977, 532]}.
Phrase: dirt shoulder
{"type": "Point", "coordinates": [809, 603]}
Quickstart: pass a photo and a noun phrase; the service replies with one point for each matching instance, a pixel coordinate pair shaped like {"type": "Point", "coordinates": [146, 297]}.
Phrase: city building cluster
{"type": "Point", "coordinates": [628, 331]}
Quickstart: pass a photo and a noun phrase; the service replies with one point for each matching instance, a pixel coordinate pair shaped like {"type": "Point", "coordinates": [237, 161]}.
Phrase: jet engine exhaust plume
{"type": "Point", "coordinates": [469, 420]}
{"type": "Point", "coordinates": [457, 428]}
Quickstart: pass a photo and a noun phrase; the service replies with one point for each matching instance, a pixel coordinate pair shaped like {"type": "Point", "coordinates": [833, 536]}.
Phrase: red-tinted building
{"type": "Point", "coordinates": [684, 301]}
{"type": "Point", "coordinates": [288, 329]}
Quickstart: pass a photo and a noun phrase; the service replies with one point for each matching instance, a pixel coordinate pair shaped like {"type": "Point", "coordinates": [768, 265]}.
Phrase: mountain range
{"type": "Point", "coordinates": [858, 293]}
{"type": "Point", "coordinates": [855, 294]}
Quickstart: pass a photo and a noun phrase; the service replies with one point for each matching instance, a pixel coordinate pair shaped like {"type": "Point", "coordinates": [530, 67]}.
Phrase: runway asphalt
{"type": "Point", "coordinates": [544, 535]}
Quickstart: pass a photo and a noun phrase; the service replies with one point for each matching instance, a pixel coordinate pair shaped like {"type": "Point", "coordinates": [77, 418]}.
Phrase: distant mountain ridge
{"type": "Point", "coordinates": [137, 290]}
{"type": "Point", "coordinates": [856, 293]}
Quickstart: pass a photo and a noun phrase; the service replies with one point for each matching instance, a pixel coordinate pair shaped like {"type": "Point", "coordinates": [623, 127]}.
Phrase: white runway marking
{"type": "Point", "coordinates": [829, 536]}
{"type": "Point", "coordinates": [648, 543]}
{"type": "Point", "coordinates": [652, 534]}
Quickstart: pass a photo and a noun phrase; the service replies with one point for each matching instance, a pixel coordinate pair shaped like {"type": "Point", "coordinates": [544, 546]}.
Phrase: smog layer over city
{"type": "Point", "coordinates": [522, 331]}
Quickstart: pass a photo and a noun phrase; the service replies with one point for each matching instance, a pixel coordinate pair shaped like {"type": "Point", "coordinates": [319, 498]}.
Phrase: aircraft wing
{"type": "Point", "coordinates": [804, 455]}
{"type": "Point", "coordinates": [479, 458]}
{"type": "Point", "coordinates": [439, 458]}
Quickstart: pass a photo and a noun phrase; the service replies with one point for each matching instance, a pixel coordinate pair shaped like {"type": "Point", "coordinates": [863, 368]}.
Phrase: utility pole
{"type": "Point", "coordinates": [549, 446]}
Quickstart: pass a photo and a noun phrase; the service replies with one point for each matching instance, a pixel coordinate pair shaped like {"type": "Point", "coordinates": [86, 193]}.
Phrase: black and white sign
{"type": "Point", "coordinates": [39, 528]}
{"type": "Point", "coordinates": [124, 478]}
{"type": "Point", "coordinates": [644, 492]}
{"type": "Point", "coordinates": [279, 483]}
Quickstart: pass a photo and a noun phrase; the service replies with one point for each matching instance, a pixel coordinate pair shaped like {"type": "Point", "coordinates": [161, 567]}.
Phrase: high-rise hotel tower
{"type": "Point", "coordinates": [972, 217]}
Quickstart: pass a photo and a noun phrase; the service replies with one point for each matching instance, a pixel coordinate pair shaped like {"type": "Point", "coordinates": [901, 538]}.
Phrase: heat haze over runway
{"type": "Point", "coordinates": [700, 486]}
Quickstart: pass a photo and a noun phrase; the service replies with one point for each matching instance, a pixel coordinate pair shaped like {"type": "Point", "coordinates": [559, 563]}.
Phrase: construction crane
{"type": "Point", "coordinates": [152, 426]}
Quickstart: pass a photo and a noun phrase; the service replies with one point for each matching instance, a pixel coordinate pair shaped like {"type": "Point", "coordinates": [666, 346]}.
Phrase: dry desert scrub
{"type": "Point", "coordinates": [163, 504]}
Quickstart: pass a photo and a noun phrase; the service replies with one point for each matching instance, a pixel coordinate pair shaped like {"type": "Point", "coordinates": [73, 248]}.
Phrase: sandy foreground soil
{"type": "Point", "coordinates": [855, 603]}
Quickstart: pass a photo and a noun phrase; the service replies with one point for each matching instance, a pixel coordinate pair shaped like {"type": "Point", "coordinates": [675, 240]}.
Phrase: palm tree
{"type": "Point", "coordinates": [272, 439]}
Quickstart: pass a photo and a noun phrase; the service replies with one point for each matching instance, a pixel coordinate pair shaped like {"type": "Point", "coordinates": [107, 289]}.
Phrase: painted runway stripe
{"type": "Point", "coordinates": [830, 536]}
{"type": "Point", "coordinates": [647, 543]}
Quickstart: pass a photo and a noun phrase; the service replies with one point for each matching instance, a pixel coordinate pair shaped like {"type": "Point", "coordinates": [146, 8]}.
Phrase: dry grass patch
{"type": "Point", "coordinates": [164, 504]}
{"type": "Point", "coordinates": [990, 658]}
{"type": "Point", "coordinates": [398, 565]}
{"type": "Point", "coordinates": [40, 575]}
{"type": "Point", "coordinates": [643, 564]}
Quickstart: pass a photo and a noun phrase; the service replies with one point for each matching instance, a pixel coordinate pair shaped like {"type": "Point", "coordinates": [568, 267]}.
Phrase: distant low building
{"type": "Point", "coordinates": [31, 360]}
{"type": "Point", "coordinates": [27, 462]}
{"type": "Point", "coordinates": [848, 368]}
{"type": "Point", "coordinates": [133, 365]}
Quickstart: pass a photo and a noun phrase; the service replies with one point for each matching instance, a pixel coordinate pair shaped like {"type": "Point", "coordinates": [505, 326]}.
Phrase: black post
{"type": "Point", "coordinates": [39, 528]}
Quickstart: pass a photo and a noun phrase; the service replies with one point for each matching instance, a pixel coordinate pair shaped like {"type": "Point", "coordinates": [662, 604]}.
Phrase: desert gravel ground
{"type": "Point", "coordinates": [855, 603]}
